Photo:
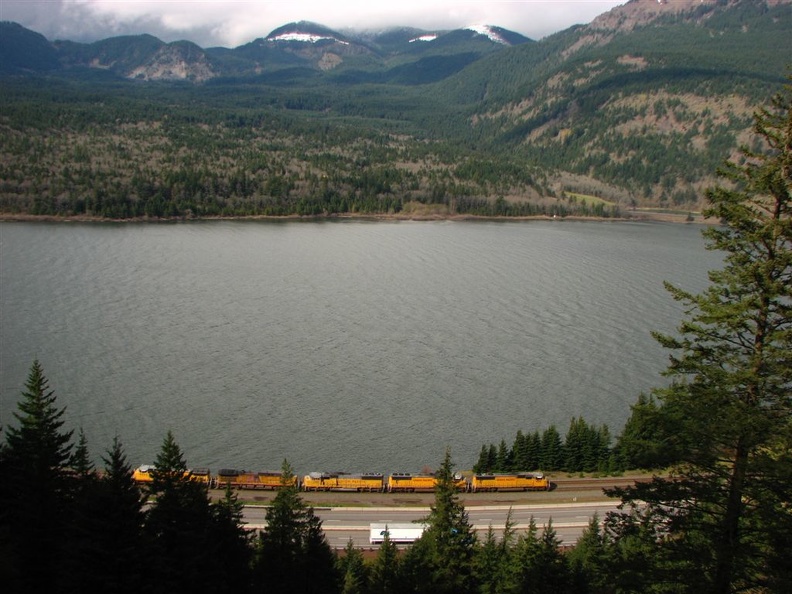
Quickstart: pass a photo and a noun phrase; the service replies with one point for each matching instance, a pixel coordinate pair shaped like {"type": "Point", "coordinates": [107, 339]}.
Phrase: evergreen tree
{"type": "Point", "coordinates": [574, 445]}
{"type": "Point", "coordinates": [318, 560]}
{"type": "Point", "coordinates": [552, 456]}
{"type": "Point", "coordinates": [492, 458]}
{"type": "Point", "coordinates": [232, 542]}
{"type": "Point", "coordinates": [503, 459]}
{"type": "Point", "coordinates": [636, 563]}
{"type": "Point", "coordinates": [180, 524]}
{"type": "Point", "coordinates": [731, 368]}
{"type": "Point", "coordinates": [645, 442]}
{"type": "Point", "coordinates": [487, 565]}
{"type": "Point", "coordinates": [353, 570]}
{"type": "Point", "coordinates": [588, 560]}
{"type": "Point", "coordinates": [538, 564]}
{"type": "Point", "coordinates": [521, 459]}
{"type": "Point", "coordinates": [534, 451]}
{"type": "Point", "coordinates": [384, 576]}
{"type": "Point", "coordinates": [481, 465]}
{"type": "Point", "coordinates": [523, 560]}
{"type": "Point", "coordinates": [441, 560]}
{"type": "Point", "coordinates": [80, 460]}
{"type": "Point", "coordinates": [37, 503]}
{"type": "Point", "coordinates": [492, 561]}
{"type": "Point", "coordinates": [292, 554]}
{"type": "Point", "coordinates": [108, 549]}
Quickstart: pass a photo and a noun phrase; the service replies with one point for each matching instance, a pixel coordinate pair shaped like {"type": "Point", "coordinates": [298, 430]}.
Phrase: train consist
{"type": "Point", "coordinates": [373, 482]}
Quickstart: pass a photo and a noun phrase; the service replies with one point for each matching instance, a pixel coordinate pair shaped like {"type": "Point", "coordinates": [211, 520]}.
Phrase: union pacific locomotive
{"type": "Point", "coordinates": [397, 482]}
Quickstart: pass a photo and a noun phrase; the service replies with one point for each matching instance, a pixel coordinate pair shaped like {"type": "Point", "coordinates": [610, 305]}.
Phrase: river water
{"type": "Point", "coordinates": [343, 345]}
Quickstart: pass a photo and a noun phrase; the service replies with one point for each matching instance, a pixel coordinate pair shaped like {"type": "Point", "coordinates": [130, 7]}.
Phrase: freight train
{"type": "Point", "coordinates": [397, 482]}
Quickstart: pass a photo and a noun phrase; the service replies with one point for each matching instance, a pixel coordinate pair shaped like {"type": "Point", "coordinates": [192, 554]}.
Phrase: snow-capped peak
{"type": "Point", "coordinates": [304, 37]}
{"type": "Point", "coordinates": [487, 31]}
{"type": "Point", "coordinates": [305, 32]}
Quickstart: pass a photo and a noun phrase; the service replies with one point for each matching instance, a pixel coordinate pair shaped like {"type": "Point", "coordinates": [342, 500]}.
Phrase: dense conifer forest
{"type": "Point", "coordinates": [594, 121]}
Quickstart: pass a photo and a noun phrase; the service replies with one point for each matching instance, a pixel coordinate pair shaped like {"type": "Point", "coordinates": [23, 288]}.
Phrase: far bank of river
{"type": "Point", "coordinates": [656, 215]}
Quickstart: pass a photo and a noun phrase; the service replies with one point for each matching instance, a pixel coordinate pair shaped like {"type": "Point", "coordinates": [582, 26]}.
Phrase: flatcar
{"type": "Point", "coordinates": [404, 482]}
{"type": "Point", "coordinates": [342, 481]}
{"type": "Point", "coordinates": [523, 481]}
{"type": "Point", "coordinates": [242, 479]}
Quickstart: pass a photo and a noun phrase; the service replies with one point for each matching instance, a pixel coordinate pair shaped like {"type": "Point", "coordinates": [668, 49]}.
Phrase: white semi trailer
{"type": "Point", "coordinates": [397, 533]}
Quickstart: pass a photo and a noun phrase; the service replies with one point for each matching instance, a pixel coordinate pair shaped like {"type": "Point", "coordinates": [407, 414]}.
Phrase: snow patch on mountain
{"type": "Point", "coordinates": [429, 37]}
{"type": "Point", "coordinates": [487, 31]}
{"type": "Point", "coordinates": [304, 37]}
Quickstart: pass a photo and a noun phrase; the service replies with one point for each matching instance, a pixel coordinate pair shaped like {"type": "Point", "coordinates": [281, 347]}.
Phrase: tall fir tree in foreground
{"type": "Point", "coordinates": [292, 554]}
{"type": "Point", "coordinates": [442, 559]}
{"type": "Point", "coordinates": [36, 505]}
{"type": "Point", "coordinates": [179, 523]}
{"type": "Point", "coordinates": [385, 570]}
{"type": "Point", "coordinates": [108, 551]}
{"type": "Point", "coordinates": [725, 514]}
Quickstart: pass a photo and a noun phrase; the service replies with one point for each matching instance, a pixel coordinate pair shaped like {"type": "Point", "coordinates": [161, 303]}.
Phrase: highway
{"type": "Point", "coordinates": [342, 523]}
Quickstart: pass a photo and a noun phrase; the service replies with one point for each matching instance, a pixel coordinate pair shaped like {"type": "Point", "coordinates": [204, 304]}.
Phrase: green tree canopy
{"type": "Point", "coordinates": [441, 560]}
{"type": "Point", "coordinates": [36, 505]}
{"type": "Point", "coordinates": [292, 554]}
{"type": "Point", "coordinates": [730, 400]}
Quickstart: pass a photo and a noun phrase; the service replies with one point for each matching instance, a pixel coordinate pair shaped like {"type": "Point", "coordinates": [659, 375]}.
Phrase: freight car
{"type": "Point", "coordinates": [524, 481]}
{"type": "Point", "coordinates": [405, 482]}
{"type": "Point", "coordinates": [342, 481]}
{"type": "Point", "coordinates": [241, 479]}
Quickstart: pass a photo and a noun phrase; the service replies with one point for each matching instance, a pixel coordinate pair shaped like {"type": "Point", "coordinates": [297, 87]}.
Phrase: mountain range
{"type": "Point", "coordinates": [299, 47]}
{"type": "Point", "coordinates": [640, 106]}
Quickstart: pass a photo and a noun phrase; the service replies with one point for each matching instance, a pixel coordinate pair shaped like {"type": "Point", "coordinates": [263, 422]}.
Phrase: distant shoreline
{"type": "Point", "coordinates": [652, 216]}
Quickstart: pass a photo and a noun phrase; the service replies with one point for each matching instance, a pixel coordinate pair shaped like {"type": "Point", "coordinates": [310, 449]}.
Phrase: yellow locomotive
{"type": "Point", "coordinates": [523, 481]}
{"type": "Point", "coordinates": [404, 482]}
{"type": "Point", "coordinates": [342, 481]}
{"type": "Point", "coordinates": [241, 479]}
{"type": "Point", "coordinates": [142, 475]}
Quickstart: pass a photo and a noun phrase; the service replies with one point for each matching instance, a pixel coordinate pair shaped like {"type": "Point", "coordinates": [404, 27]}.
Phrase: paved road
{"type": "Point", "coordinates": [342, 523]}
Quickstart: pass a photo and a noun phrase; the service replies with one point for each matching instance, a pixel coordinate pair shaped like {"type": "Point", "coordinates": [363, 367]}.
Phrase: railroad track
{"type": "Point", "coordinates": [596, 483]}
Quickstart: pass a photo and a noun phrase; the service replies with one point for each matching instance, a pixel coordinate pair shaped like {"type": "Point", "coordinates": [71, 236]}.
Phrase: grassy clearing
{"type": "Point", "coordinates": [588, 199]}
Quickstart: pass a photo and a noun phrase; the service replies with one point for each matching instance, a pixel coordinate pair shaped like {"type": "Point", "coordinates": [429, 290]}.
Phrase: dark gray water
{"type": "Point", "coordinates": [352, 346]}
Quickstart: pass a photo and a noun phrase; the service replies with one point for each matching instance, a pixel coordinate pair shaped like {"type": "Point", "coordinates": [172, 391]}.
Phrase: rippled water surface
{"type": "Point", "coordinates": [352, 346]}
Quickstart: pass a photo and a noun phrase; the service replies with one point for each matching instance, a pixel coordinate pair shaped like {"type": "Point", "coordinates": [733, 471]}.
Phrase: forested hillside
{"type": "Point", "coordinates": [636, 109]}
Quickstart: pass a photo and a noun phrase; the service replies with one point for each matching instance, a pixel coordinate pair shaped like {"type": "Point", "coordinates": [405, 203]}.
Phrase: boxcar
{"type": "Point", "coordinates": [341, 481]}
{"type": "Point", "coordinates": [524, 481]}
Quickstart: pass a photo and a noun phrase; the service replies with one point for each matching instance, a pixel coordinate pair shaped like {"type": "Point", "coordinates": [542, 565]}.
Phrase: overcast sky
{"type": "Point", "coordinates": [234, 22]}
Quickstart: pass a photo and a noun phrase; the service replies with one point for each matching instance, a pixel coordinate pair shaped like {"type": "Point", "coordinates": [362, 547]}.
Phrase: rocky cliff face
{"type": "Point", "coordinates": [642, 12]}
{"type": "Point", "coordinates": [175, 61]}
